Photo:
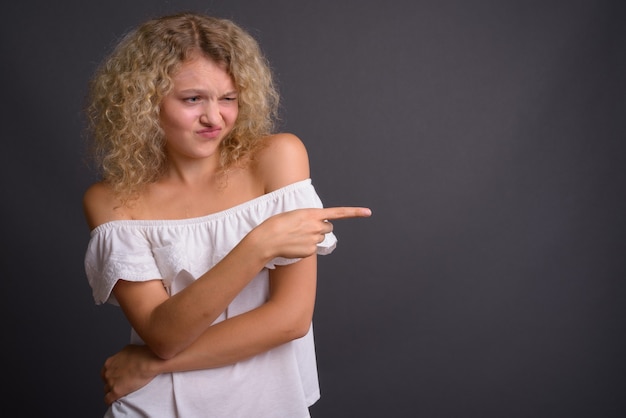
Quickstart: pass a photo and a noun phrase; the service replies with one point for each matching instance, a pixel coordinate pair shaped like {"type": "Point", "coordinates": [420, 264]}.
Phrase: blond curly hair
{"type": "Point", "coordinates": [126, 91]}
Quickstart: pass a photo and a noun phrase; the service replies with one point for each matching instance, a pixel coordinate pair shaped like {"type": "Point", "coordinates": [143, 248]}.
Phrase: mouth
{"type": "Point", "coordinates": [209, 133]}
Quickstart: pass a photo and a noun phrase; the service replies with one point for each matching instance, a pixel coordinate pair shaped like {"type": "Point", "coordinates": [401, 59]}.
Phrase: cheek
{"type": "Point", "coordinates": [232, 115]}
{"type": "Point", "coordinates": [165, 116]}
{"type": "Point", "coordinates": [179, 119]}
{"type": "Point", "coordinates": [169, 128]}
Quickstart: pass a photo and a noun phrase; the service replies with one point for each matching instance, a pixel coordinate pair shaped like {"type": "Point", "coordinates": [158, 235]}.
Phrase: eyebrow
{"type": "Point", "coordinates": [202, 91]}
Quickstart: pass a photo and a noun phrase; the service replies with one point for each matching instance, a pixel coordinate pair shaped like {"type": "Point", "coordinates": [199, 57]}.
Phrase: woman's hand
{"type": "Point", "coordinates": [127, 371]}
{"type": "Point", "coordinates": [295, 234]}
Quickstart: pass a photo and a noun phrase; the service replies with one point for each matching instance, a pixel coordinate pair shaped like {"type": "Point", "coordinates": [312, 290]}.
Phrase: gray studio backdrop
{"type": "Point", "coordinates": [487, 137]}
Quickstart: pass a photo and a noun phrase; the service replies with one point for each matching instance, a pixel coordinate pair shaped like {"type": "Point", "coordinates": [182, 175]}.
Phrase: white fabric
{"type": "Point", "coordinates": [280, 383]}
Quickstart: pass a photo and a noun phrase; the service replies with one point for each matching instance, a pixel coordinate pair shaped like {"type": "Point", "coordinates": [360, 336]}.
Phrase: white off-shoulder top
{"type": "Point", "coordinates": [279, 383]}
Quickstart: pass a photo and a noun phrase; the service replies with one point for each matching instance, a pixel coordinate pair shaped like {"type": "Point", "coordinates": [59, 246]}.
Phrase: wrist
{"type": "Point", "coordinates": [256, 247]}
{"type": "Point", "coordinates": [155, 366]}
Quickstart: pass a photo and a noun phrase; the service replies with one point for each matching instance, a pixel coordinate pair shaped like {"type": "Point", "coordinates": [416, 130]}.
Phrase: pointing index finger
{"type": "Point", "coordinates": [344, 212]}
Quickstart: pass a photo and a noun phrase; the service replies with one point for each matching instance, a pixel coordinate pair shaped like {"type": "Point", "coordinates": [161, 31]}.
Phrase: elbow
{"type": "Point", "coordinates": [290, 334]}
{"type": "Point", "coordinates": [291, 322]}
{"type": "Point", "coordinates": [302, 328]}
{"type": "Point", "coordinates": [297, 328]}
{"type": "Point", "coordinates": [164, 351]}
{"type": "Point", "coordinates": [301, 332]}
{"type": "Point", "coordinates": [165, 355]}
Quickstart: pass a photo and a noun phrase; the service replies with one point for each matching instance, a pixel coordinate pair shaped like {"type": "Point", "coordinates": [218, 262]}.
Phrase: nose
{"type": "Point", "coordinates": [210, 114]}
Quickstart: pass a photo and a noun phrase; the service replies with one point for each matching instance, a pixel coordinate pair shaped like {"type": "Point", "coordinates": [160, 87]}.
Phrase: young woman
{"type": "Point", "coordinates": [204, 228]}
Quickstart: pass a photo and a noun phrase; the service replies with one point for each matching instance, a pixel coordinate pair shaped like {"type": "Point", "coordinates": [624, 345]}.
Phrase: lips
{"type": "Point", "coordinates": [209, 133]}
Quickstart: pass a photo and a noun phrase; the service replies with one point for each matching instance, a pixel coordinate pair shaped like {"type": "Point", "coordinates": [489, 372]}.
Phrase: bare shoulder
{"type": "Point", "coordinates": [100, 205]}
{"type": "Point", "coordinates": [283, 161]}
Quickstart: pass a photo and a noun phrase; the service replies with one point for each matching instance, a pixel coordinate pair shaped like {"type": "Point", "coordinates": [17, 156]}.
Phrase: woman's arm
{"type": "Point", "coordinates": [178, 329]}
{"type": "Point", "coordinates": [287, 315]}
{"type": "Point", "coordinates": [170, 324]}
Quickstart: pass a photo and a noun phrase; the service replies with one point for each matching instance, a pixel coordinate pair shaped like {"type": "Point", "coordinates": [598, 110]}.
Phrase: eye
{"type": "Point", "coordinates": [229, 98]}
{"type": "Point", "coordinates": [192, 99]}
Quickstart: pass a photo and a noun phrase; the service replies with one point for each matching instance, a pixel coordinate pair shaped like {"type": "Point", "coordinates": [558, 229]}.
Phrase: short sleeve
{"type": "Point", "coordinates": [302, 195]}
{"type": "Point", "coordinates": [113, 253]}
{"type": "Point", "coordinates": [141, 250]}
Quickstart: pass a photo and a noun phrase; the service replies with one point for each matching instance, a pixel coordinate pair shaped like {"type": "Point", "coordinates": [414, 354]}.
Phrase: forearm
{"type": "Point", "coordinates": [209, 295]}
{"type": "Point", "coordinates": [168, 326]}
{"type": "Point", "coordinates": [287, 315]}
{"type": "Point", "coordinates": [176, 322]}
{"type": "Point", "coordinates": [231, 341]}
{"type": "Point", "coordinates": [228, 342]}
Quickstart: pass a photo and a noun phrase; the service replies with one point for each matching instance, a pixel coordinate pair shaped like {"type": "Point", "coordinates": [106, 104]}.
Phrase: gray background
{"type": "Point", "coordinates": [487, 137]}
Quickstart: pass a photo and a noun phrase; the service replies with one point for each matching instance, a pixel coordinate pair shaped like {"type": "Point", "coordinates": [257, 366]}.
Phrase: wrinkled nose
{"type": "Point", "coordinates": [211, 114]}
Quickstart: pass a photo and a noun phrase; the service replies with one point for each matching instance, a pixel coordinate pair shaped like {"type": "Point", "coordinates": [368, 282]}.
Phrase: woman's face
{"type": "Point", "coordinates": [201, 109]}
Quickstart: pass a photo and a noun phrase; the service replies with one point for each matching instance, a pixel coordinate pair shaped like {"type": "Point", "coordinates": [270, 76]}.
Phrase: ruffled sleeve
{"type": "Point", "coordinates": [178, 251]}
{"type": "Point", "coordinates": [115, 252]}
{"type": "Point", "coordinates": [298, 195]}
